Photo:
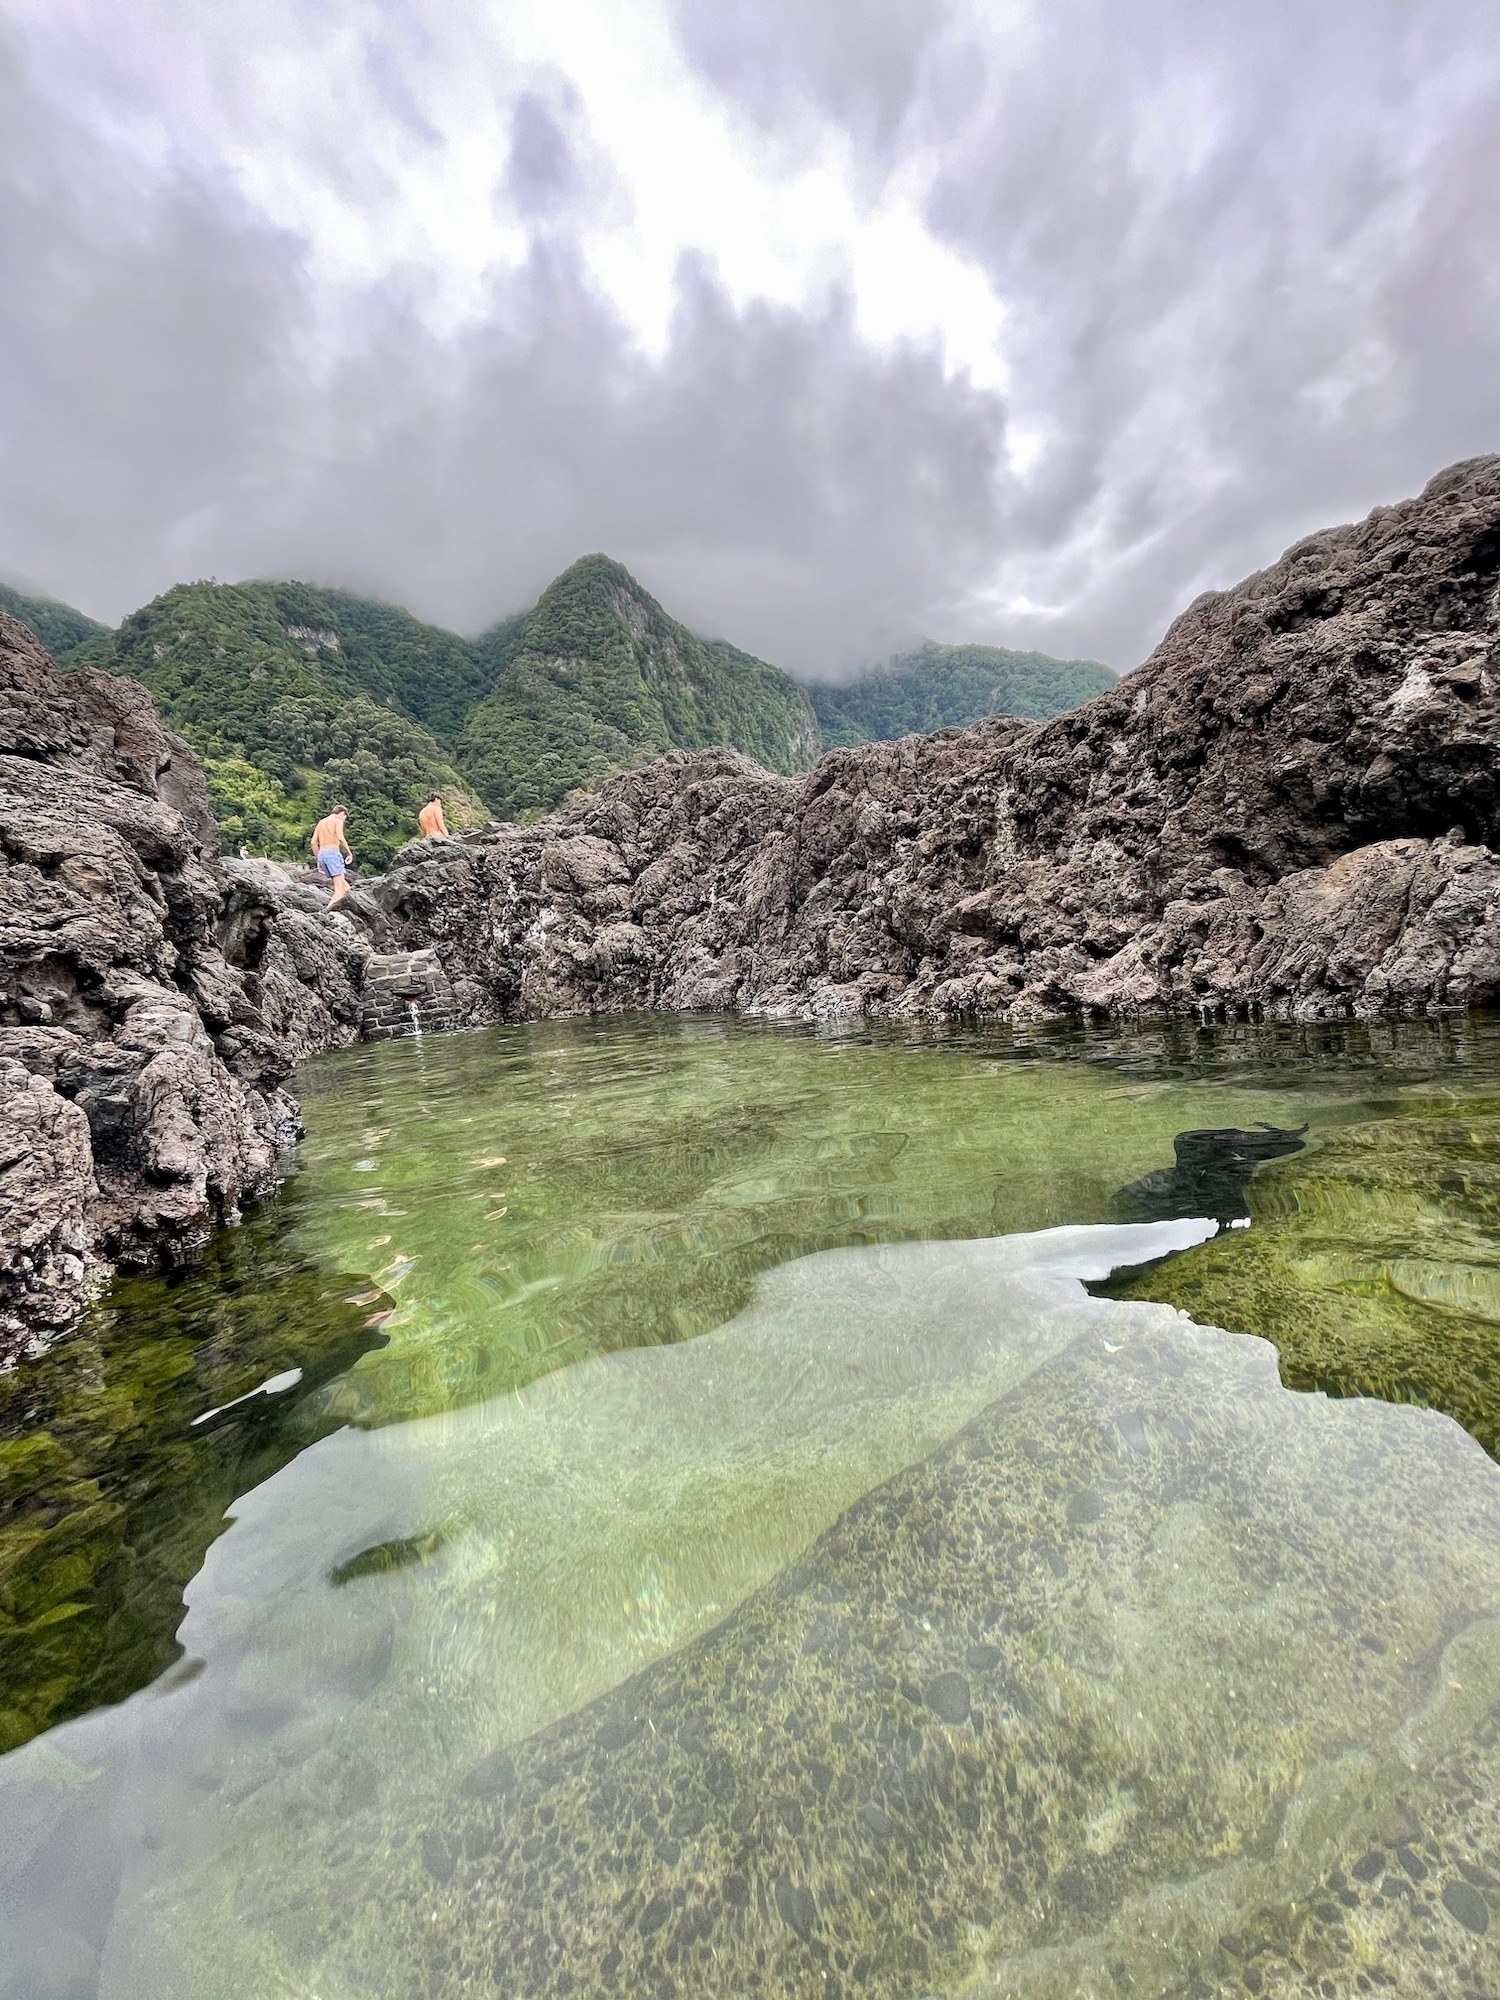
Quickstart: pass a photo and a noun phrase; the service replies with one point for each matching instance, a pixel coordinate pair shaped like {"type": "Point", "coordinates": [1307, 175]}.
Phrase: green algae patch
{"type": "Point", "coordinates": [112, 1484]}
{"type": "Point", "coordinates": [1372, 1263]}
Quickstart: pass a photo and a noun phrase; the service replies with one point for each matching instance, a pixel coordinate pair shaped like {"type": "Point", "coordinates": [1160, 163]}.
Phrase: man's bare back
{"type": "Point", "coordinates": [431, 820]}
{"type": "Point", "coordinates": [331, 850]}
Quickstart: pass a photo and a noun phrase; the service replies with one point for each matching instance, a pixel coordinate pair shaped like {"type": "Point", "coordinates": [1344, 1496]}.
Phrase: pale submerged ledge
{"type": "Point", "coordinates": [1240, 1613]}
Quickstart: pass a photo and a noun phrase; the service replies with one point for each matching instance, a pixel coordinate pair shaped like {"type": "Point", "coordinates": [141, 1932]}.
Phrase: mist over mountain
{"type": "Point", "coordinates": [943, 687]}
{"type": "Point", "coordinates": [297, 696]}
{"type": "Point", "coordinates": [60, 628]}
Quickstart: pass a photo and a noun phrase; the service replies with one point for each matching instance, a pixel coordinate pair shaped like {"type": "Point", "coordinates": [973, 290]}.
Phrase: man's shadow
{"type": "Point", "coordinates": [1211, 1176]}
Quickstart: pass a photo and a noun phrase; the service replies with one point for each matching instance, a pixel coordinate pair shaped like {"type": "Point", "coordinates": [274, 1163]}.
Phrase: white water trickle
{"type": "Point", "coordinates": [414, 1009]}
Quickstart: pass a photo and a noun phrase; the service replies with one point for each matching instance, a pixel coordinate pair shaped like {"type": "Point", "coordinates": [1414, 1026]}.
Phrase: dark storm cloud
{"type": "Point", "coordinates": [759, 475]}
{"type": "Point", "coordinates": [1250, 257]}
{"type": "Point", "coordinates": [163, 416]}
{"type": "Point", "coordinates": [146, 352]}
{"type": "Point", "coordinates": [541, 173]}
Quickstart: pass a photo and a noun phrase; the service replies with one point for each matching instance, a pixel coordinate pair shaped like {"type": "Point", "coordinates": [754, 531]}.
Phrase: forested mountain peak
{"type": "Point", "coordinates": [293, 692]}
{"type": "Point", "coordinates": [932, 686]}
{"type": "Point", "coordinates": [599, 678]}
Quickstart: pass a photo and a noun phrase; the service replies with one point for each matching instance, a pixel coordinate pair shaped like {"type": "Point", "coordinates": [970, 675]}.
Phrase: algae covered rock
{"type": "Point", "coordinates": [122, 1448]}
{"type": "Point", "coordinates": [1372, 1261]}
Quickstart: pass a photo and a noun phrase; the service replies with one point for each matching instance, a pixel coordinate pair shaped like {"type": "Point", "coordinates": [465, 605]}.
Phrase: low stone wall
{"type": "Point", "coordinates": [406, 993]}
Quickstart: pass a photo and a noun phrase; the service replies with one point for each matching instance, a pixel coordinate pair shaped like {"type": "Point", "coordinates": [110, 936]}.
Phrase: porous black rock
{"type": "Point", "coordinates": [1468, 1906]}
{"type": "Point", "coordinates": [152, 1001]}
{"type": "Point", "coordinates": [1290, 810]}
{"type": "Point", "coordinates": [948, 1697]}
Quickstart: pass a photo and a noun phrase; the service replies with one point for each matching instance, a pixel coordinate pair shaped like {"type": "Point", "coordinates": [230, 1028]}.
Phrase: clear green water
{"type": "Point", "coordinates": [719, 1543]}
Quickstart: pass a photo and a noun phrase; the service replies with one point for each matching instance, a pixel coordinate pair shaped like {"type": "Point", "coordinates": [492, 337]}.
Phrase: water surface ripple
{"type": "Point", "coordinates": [722, 1540]}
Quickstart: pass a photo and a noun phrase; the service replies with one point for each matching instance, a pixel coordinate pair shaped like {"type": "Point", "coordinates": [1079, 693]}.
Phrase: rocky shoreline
{"type": "Point", "coordinates": [1291, 811]}
{"type": "Point", "coordinates": [153, 998]}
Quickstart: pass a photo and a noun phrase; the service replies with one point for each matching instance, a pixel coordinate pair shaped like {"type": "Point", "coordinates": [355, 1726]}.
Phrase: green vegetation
{"type": "Point", "coordinates": [61, 629]}
{"type": "Point", "coordinates": [294, 695]}
{"type": "Point", "coordinates": [599, 678]}
{"type": "Point", "coordinates": [945, 687]}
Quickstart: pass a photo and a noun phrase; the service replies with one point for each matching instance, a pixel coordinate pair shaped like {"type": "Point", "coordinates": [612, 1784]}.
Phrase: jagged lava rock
{"type": "Point", "coordinates": [150, 1006]}
{"type": "Point", "coordinates": [1289, 810]}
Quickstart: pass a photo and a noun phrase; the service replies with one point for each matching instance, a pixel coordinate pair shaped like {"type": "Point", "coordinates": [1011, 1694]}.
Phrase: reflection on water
{"type": "Point", "coordinates": [1212, 1173]}
{"type": "Point", "coordinates": [919, 1623]}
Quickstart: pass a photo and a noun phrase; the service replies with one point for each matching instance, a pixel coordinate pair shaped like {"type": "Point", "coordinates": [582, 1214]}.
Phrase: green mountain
{"type": "Point", "coordinates": [61, 629]}
{"type": "Point", "coordinates": [297, 698]}
{"type": "Point", "coordinates": [598, 678]}
{"type": "Point", "coordinates": [943, 687]}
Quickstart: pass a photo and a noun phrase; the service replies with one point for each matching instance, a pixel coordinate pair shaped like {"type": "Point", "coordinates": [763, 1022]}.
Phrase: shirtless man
{"type": "Point", "coordinates": [331, 851]}
{"type": "Point", "coordinates": [431, 820]}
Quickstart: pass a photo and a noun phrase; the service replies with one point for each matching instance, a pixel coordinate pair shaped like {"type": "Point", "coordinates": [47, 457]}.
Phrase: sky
{"type": "Point", "coordinates": [841, 322]}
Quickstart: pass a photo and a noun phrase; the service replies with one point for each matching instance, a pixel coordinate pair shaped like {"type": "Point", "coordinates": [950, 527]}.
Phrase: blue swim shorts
{"type": "Point", "coordinates": [330, 861]}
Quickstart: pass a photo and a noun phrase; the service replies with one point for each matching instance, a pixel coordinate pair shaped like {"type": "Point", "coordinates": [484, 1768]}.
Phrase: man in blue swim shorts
{"type": "Point", "coordinates": [331, 851]}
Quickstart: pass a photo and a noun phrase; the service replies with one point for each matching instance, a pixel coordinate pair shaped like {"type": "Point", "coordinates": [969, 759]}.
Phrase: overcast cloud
{"type": "Point", "coordinates": [840, 321]}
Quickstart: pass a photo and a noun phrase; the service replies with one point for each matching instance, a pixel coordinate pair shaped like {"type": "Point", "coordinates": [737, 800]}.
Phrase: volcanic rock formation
{"type": "Point", "coordinates": [1289, 810]}
{"type": "Point", "coordinates": [152, 999]}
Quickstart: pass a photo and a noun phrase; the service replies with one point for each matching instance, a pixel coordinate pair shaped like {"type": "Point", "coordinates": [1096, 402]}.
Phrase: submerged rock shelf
{"type": "Point", "coordinates": [1373, 1263]}
{"type": "Point", "coordinates": [1125, 1688]}
{"type": "Point", "coordinates": [716, 1545]}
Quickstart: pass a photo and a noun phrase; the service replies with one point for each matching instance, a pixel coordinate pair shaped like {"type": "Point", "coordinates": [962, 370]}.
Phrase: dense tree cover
{"type": "Point", "coordinates": [429, 674]}
{"type": "Point", "coordinates": [597, 678]}
{"type": "Point", "coordinates": [942, 687]}
{"type": "Point", "coordinates": [60, 628]}
{"type": "Point", "coordinates": [291, 693]}
{"type": "Point", "coordinates": [295, 697]}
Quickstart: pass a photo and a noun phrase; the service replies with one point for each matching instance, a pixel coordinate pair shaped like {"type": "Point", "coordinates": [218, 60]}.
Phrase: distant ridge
{"type": "Point", "coordinates": [61, 629]}
{"type": "Point", "coordinates": [946, 687]}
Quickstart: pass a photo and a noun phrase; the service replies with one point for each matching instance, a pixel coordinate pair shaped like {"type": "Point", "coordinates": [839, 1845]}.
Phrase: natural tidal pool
{"type": "Point", "coordinates": [685, 1507]}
